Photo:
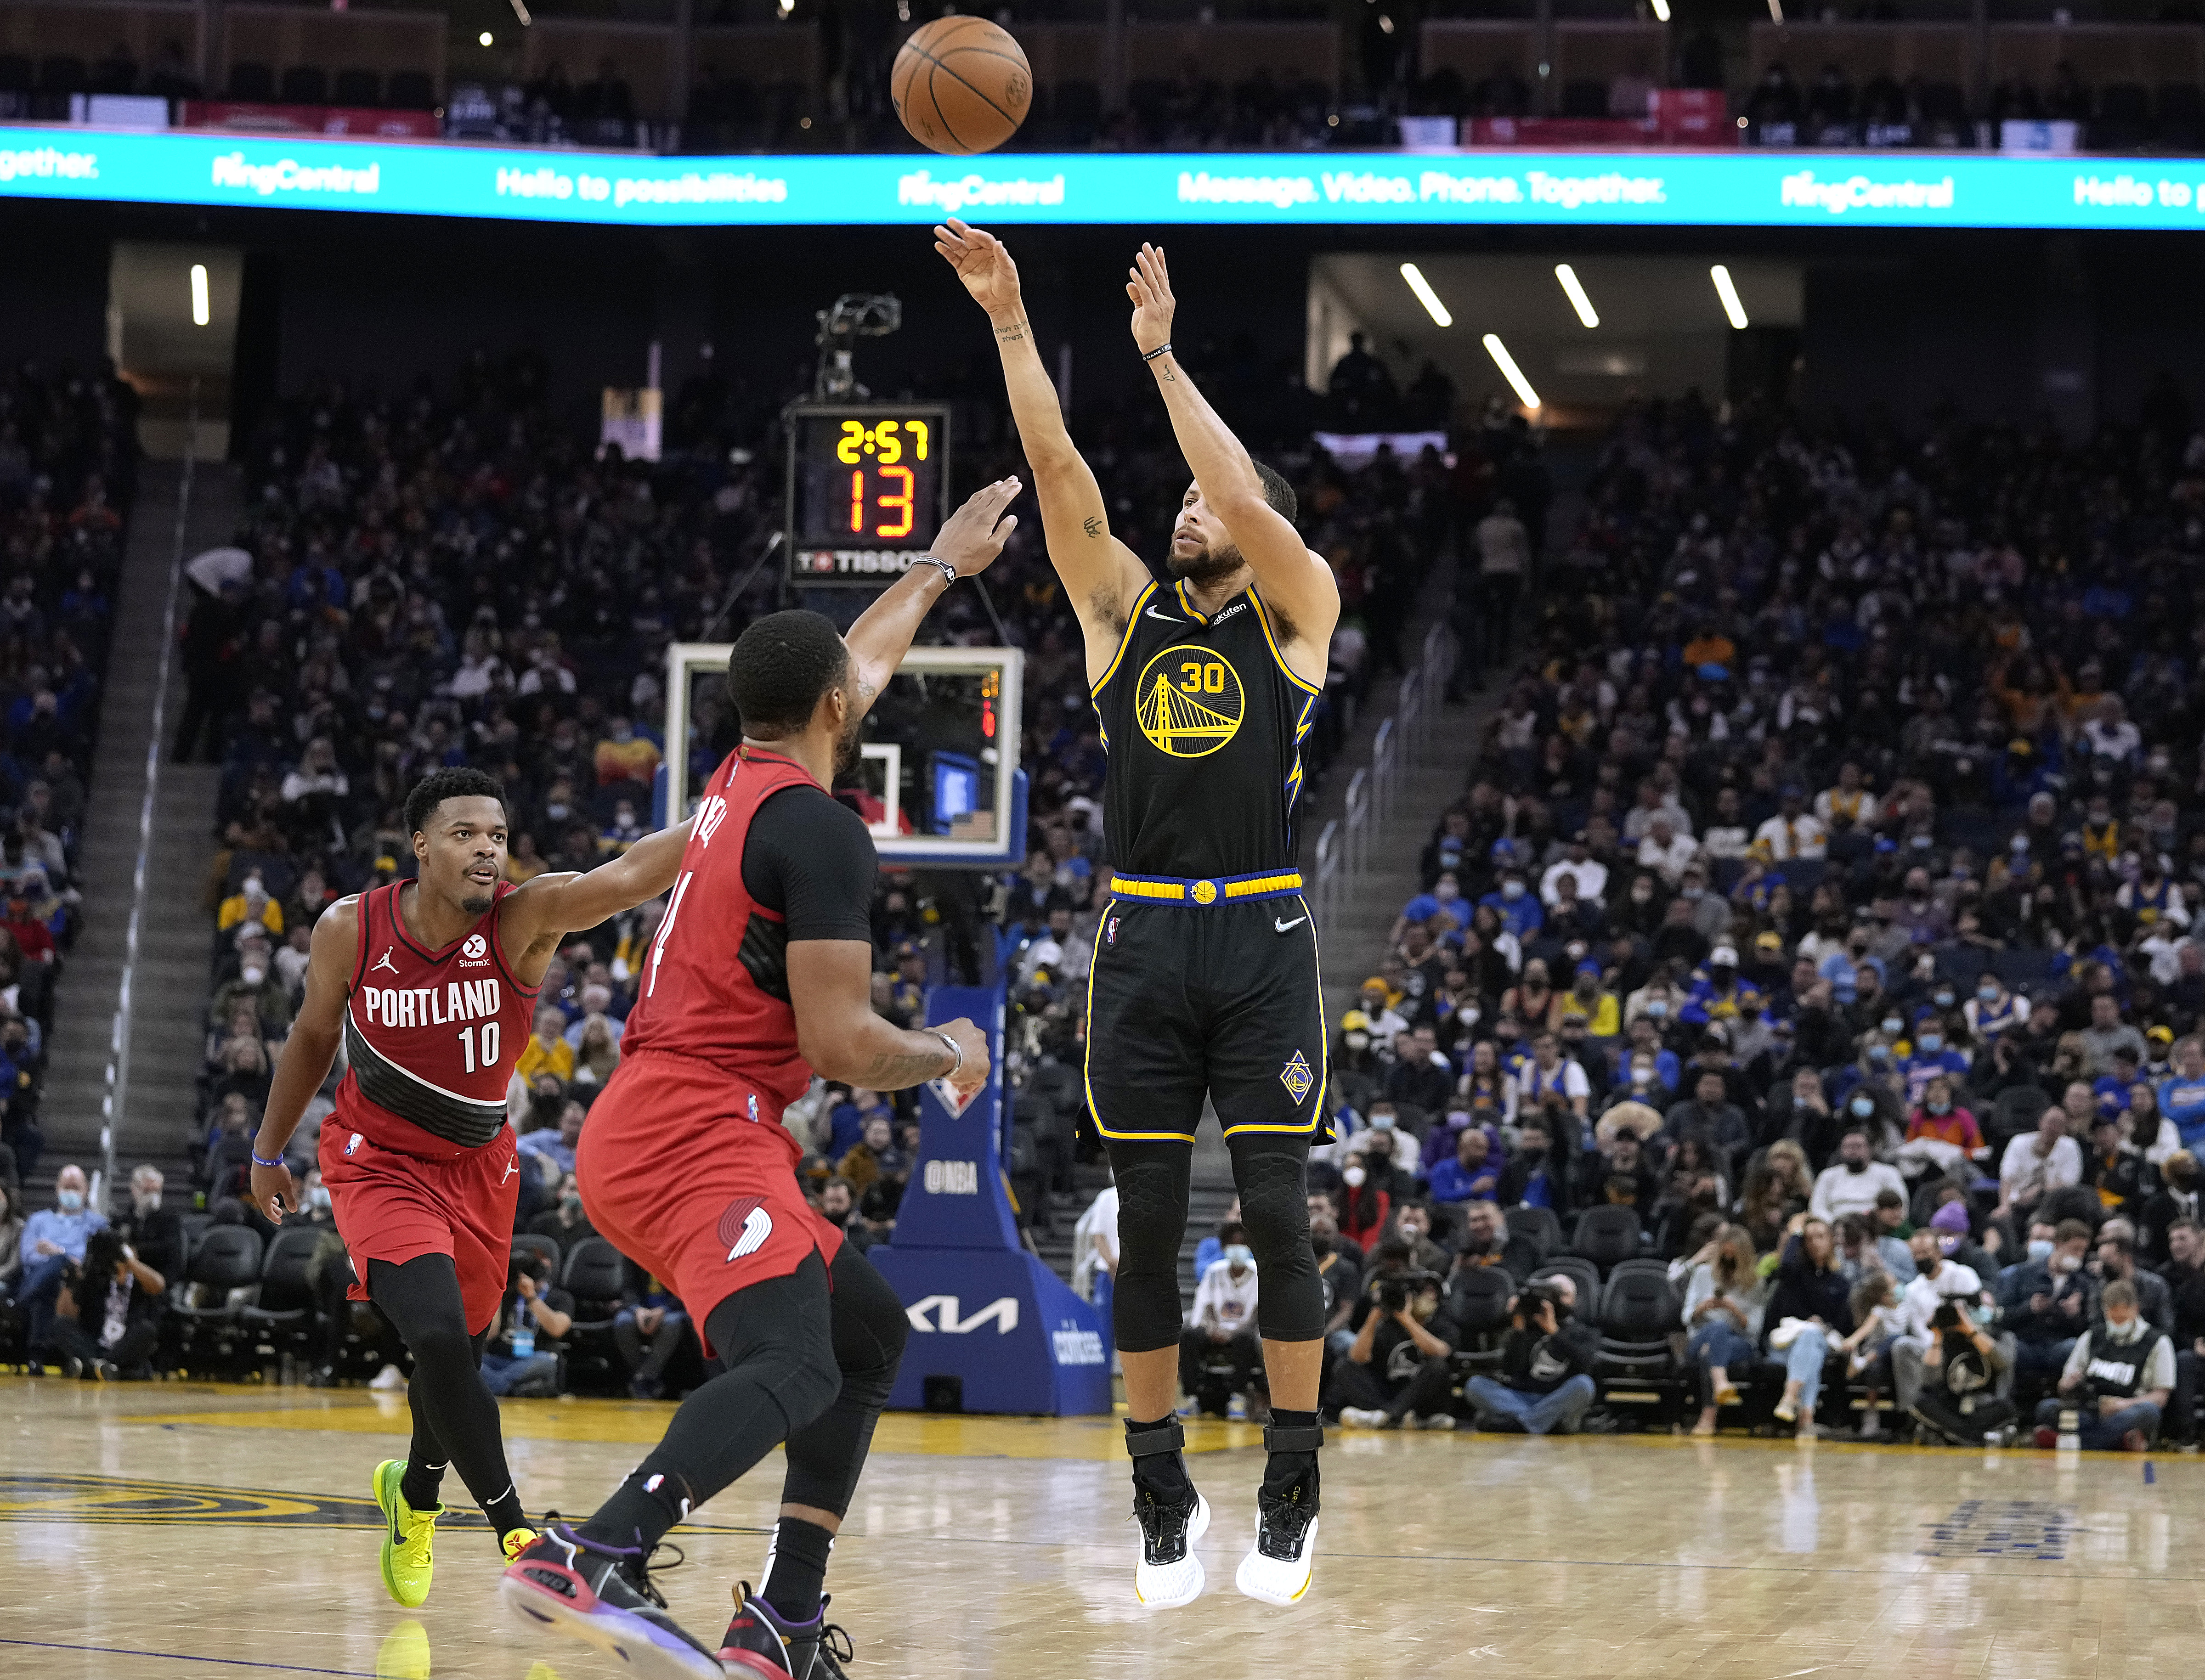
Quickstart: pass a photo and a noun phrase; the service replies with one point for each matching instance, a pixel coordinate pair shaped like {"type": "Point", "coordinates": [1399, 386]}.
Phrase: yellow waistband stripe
{"type": "Point", "coordinates": [1168, 890]}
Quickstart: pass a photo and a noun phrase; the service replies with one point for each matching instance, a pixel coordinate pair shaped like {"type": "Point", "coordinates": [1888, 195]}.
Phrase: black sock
{"type": "Point", "coordinates": [640, 1511]}
{"type": "Point", "coordinates": [422, 1484]}
{"type": "Point", "coordinates": [505, 1513]}
{"type": "Point", "coordinates": [1162, 1473]}
{"type": "Point", "coordinates": [1286, 1470]}
{"type": "Point", "coordinates": [795, 1568]}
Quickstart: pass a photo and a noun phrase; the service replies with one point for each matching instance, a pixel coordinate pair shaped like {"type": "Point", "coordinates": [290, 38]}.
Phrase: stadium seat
{"type": "Point", "coordinates": [281, 1319]}
{"type": "Point", "coordinates": [62, 73]}
{"type": "Point", "coordinates": [1605, 1235]}
{"type": "Point", "coordinates": [1539, 1224]}
{"type": "Point", "coordinates": [219, 1277]}
{"type": "Point", "coordinates": [2023, 968]}
{"type": "Point", "coordinates": [595, 1274]}
{"type": "Point", "coordinates": [250, 82]}
{"type": "Point", "coordinates": [536, 1243]}
{"type": "Point", "coordinates": [1637, 1363]}
{"type": "Point", "coordinates": [358, 87]}
{"type": "Point", "coordinates": [305, 85]}
{"type": "Point", "coordinates": [2018, 1110]}
{"type": "Point", "coordinates": [1580, 1272]}
{"type": "Point", "coordinates": [1478, 1300]}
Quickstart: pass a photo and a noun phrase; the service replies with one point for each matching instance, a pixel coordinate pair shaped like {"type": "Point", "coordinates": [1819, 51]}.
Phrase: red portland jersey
{"type": "Point", "coordinates": [715, 983]}
{"type": "Point", "coordinates": [431, 1035]}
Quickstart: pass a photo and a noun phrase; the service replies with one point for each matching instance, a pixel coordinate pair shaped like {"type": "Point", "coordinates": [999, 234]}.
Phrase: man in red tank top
{"type": "Point", "coordinates": [430, 985]}
{"type": "Point", "coordinates": [760, 974]}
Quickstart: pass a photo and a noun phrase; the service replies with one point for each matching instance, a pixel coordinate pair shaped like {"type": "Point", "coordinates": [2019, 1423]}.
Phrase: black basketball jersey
{"type": "Point", "coordinates": [1203, 725]}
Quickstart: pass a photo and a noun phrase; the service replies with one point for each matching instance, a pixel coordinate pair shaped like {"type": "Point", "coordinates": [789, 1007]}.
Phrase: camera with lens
{"type": "Point", "coordinates": [1533, 1296]}
{"type": "Point", "coordinates": [1946, 1317]}
{"type": "Point", "coordinates": [1396, 1292]}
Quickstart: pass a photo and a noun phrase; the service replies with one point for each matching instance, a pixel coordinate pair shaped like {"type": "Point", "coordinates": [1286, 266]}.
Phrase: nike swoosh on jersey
{"type": "Point", "coordinates": [1282, 927]}
{"type": "Point", "coordinates": [1166, 617]}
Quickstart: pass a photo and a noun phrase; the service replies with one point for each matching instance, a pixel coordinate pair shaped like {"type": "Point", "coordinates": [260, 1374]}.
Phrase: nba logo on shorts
{"type": "Point", "coordinates": [353, 1144]}
{"type": "Point", "coordinates": [1111, 932]}
{"type": "Point", "coordinates": [474, 947]}
{"type": "Point", "coordinates": [744, 1226]}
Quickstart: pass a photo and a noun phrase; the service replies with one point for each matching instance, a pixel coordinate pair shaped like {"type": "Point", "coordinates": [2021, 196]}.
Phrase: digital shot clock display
{"type": "Point", "coordinates": [868, 488]}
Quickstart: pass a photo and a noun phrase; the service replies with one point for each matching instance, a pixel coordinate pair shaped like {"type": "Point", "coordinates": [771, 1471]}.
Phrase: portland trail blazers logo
{"type": "Point", "coordinates": [1188, 701]}
{"type": "Point", "coordinates": [744, 1226]}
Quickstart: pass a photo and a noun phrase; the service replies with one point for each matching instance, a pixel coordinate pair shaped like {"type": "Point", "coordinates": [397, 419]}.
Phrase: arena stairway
{"type": "Point", "coordinates": [169, 988]}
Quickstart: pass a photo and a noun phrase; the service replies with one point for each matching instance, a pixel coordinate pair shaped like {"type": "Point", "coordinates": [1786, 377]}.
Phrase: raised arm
{"type": "Point", "coordinates": [1294, 581]}
{"type": "Point", "coordinates": [1101, 576]}
{"type": "Point", "coordinates": [308, 1053]}
{"type": "Point", "coordinates": [534, 918]}
{"type": "Point", "coordinates": [969, 541]}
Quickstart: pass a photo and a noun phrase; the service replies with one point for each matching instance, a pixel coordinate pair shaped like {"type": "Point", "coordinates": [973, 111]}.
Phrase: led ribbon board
{"type": "Point", "coordinates": [1726, 188]}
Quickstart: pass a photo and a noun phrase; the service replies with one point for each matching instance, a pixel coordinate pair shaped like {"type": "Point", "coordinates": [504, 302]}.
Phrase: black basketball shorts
{"type": "Point", "coordinates": [1223, 998]}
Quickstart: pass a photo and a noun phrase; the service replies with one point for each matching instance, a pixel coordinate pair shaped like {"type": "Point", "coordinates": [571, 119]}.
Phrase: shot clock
{"type": "Point", "coordinates": [868, 487]}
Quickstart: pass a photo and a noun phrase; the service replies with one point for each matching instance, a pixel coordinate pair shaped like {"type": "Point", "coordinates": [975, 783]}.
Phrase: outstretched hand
{"type": "Point", "coordinates": [984, 263]}
{"type": "Point", "coordinates": [1148, 285]}
{"type": "Point", "coordinates": [971, 538]}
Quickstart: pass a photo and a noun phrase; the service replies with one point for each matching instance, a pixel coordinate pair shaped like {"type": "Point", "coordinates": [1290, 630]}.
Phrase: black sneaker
{"type": "Point", "coordinates": [603, 1595]}
{"type": "Point", "coordinates": [760, 1640]}
{"type": "Point", "coordinates": [1169, 1574]}
{"type": "Point", "coordinates": [1278, 1567]}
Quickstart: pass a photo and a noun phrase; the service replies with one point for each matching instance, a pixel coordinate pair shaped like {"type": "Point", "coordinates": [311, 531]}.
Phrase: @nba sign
{"type": "Point", "coordinates": [1003, 1311]}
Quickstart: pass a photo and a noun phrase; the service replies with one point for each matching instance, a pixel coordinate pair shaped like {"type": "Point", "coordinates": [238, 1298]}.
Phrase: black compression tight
{"type": "Point", "coordinates": [1269, 1170]}
{"type": "Point", "coordinates": [826, 1456]}
{"type": "Point", "coordinates": [454, 1416]}
{"type": "Point", "coordinates": [777, 1339]}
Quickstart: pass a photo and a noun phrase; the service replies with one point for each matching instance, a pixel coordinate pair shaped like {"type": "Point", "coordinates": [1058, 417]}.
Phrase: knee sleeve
{"type": "Point", "coordinates": [776, 1335]}
{"type": "Point", "coordinates": [868, 1329]}
{"type": "Point", "coordinates": [1152, 1195]}
{"type": "Point", "coordinates": [1270, 1172]}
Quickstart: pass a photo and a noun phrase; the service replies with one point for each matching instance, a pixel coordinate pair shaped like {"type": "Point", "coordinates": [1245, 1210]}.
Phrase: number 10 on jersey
{"type": "Point", "coordinates": [487, 1043]}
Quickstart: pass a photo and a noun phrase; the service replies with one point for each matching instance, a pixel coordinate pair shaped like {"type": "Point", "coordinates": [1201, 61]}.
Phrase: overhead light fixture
{"type": "Point", "coordinates": [202, 311]}
{"type": "Point", "coordinates": [1728, 293]}
{"type": "Point", "coordinates": [1509, 372]}
{"type": "Point", "coordinates": [520, 11]}
{"type": "Point", "coordinates": [1776, 11]}
{"type": "Point", "coordinates": [1660, 11]}
{"type": "Point", "coordinates": [1425, 295]}
{"type": "Point", "coordinates": [485, 37]}
{"type": "Point", "coordinates": [1575, 291]}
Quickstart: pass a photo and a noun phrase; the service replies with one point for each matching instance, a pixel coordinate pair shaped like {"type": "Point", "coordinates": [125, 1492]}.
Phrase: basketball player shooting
{"type": "Point", "coordinates": [760, 976]}
{"type": "Point", "coordinates": [1205, 977]}
{"type": "Point", "coordinates": [432, 984]}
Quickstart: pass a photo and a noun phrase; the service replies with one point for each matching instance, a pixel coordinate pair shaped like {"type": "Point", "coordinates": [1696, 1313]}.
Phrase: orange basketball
{"type": "Point", "coordinates": [960, 85]}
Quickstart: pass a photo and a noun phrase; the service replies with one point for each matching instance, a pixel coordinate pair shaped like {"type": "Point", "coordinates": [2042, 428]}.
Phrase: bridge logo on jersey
{"type": "Point", "coordinates": [1189, 701]}
{"type": "Point", "coordinates": [744, 1226]}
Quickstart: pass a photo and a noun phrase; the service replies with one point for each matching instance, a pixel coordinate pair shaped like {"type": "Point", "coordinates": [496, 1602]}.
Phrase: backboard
{"type": "Point", "coordinates": [938, 778]}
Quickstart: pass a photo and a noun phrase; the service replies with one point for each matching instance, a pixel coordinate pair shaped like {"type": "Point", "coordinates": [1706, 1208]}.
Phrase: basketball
{"type": "Point", "coordinates": [960, 85]}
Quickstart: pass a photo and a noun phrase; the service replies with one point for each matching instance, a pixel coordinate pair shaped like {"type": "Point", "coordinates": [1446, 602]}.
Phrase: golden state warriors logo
{"type": "Point", "coordinates": [1189, 701]}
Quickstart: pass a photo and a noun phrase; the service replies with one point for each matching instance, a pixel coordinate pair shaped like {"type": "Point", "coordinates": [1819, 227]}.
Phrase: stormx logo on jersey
{"type": "Point", "coordinates": [475, 952]}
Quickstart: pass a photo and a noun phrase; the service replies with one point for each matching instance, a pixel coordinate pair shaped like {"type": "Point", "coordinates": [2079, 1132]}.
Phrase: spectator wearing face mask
{"type": "Point", "coordinates": [1516, 905]}
{"type": "Point", "coordinates": [564, 1222]}
{"type": "Point", "coordinates": [1535, 1175]}
{"type": "Point", "coordinates": [1932, 1055]}
{"type": "Point", "coordinates": [1545, 1384]}
{"type": "Point", "coordinates": [1472, 1173]}
{"type": "Point", "coordinates": [2037, 1163]}
{"type": "Point", "coordinates": [53, 1241]}
{"type": "Point", "coordinates": [2118, 1376]}
{"type": "Point", "coordinates": [1852, 1183]}
{"type": "Point", "coordinates": [2049, 1298]}
{"type": "Point", "coordinates": [1412, 1225]}
{"type": "Point", "coordinates": [105, 1319]}
{"type": "Point", "coordinates": [1941, 1136]}
{"type": "Point", "coordinates": [155, 1233]}
{"type": "Point", "coordinates": [1219, 1354]}
{"type": "Point", "coordinates": [1396, 1372]}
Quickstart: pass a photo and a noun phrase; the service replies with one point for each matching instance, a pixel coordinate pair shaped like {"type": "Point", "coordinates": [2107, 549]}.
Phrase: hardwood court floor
{"type": "Point", "coordinates": [185, 1529]}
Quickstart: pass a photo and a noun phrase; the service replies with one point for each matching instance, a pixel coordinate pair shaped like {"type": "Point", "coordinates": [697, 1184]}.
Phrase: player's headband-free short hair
{"type": "Point", "coordinates": [780, 668]}
{"type": "Point", "coordinates": [456, 782]}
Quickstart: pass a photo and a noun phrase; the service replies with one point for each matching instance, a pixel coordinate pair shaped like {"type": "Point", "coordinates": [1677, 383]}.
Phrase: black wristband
{"type": "Point", "coordinates": [1163, 349]}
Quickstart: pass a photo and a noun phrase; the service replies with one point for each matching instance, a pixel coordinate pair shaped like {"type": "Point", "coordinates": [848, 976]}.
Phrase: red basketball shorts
{"type": "Point", "coordinates": [679, 1176]}
{"type": "Point", "coordinates": [398, 1208]}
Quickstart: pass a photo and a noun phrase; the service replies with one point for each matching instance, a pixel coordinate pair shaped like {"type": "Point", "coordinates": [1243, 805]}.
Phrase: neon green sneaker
{"type": "Point", "coordinates": [407, 1537]}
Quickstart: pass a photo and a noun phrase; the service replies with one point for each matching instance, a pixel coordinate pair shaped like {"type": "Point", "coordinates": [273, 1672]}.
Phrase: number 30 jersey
{"type": "Point", "coordinates": [1204, 724]}
{"type": "Point", "coordinates": [431, 1036]}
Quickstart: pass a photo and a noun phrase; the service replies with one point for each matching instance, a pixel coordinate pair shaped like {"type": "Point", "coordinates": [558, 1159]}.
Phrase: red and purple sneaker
{"type": "Point", "coordinates": [760, 1641]}
{"type": "Point", "coordinates": [601, 1595]}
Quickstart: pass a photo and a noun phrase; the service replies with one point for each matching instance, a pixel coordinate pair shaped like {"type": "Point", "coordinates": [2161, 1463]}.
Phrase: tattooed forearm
{"type": "Point", "coordinates": [895, 1072]}
{"type": "Point", "coordinates": [1091, 525]}
{"type": "Point", "coordinates": [1014, 333]}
